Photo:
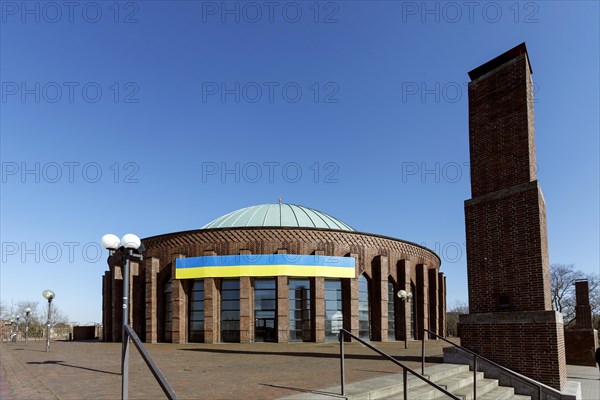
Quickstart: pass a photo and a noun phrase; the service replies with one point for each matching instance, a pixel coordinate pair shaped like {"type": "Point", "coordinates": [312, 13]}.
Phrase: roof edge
{"type": "Point", "coordinates": [500, 60]}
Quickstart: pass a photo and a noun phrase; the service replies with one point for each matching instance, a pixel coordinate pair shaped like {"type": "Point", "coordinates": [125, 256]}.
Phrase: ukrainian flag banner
{"type": "Point", "coordinates": [265, 265]}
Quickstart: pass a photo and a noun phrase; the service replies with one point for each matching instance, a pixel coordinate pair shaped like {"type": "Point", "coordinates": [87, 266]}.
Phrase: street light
{"type": "Point", "coordinates": [27, 313]}
{"type": "Point", "coordinates": [11, 322]}
{"type": "Point", "coordinates": [17, 330]}
{"type": "Point", "coordinates": [48, 295]}
{"type": "Point", "coordinates": [405, 298]}
{"type": "Point", "coordinates": [127, 245]}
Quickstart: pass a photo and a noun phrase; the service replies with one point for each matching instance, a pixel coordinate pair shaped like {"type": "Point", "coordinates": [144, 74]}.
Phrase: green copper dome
{"type": "Point", "coordinates": [278, 215]}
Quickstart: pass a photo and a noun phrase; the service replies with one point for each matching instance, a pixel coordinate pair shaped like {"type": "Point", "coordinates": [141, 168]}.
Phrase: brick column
{"type": "Point", "coordinates": [507, 247]}
{"type": "Point", "coordinates": [212, 305]}
{"type": "Point", "coordinates": [434, 305]}
{"type": "Point", "coordinates": [379, 308]}
{"type": "Point", "coordinates": [180, 305]}
{"type": "Point", "coordinates": [422, 316]}
{"type": "Point", "coordinates": [318, 305]}
{"type": "Point", "coordinates": [107, 305]}
{"type": "Point", "coordinates": [152, 268]}
{"type": "Point", "coordinates": [211, 310]}
{"type": "Point", "coordinates": [442, 304]}
{"type": "Point", "coordinates": [581, 341]}
{"type": "Point", "coordinates": [246, 307]}
{"type": "Point", "coordinates": [404, 273]}
{"type": "Point", "coordinates": [350, 301]}
{"type": "Point", "coordinates": [283, 305]}
{"type": "Point", "coordinates": [117, 303]}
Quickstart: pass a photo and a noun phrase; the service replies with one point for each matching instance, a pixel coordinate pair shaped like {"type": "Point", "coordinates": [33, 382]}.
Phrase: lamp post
{"type": "Point", "coordinates": [17, 330]}
{"type": "Point", "coordinates": [405, 298]}
{"type": "Point", "coordinates": [27, 313]}
{"type": "Point", "coordinates": [127, 244]}
{"type": "Point", "coordinates": [48, 295]}
{"type": "Point", "coordinates": [12, 329]}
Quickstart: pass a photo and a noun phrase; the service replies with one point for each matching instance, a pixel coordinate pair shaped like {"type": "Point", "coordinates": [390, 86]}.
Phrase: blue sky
{"type": "Point", "coordinates": [128, 118]}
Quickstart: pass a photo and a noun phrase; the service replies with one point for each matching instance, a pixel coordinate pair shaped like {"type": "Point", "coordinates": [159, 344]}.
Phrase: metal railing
{"type": "Point", "coordinates": [405, 369]}
{"type": "Point", "coordinates": [160, 378]}
{"type": "Point", "coordinates": [476, 357]}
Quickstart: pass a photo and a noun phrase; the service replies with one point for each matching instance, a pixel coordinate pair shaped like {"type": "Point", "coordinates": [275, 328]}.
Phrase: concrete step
{"type": "Point", "coordinates": [483, 386]}
{"type": "Point", "coordinates": [385, 386]}
{"type": "Point", "coordinates": [500, 393]}
{"type": "Point", "coordinates": [451, 383]}
{"type": "Point", "coordinates": [520, 397]}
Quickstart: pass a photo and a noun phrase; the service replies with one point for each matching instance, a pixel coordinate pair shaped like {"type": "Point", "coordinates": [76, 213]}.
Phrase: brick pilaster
{"type": "Point", "coordinates": [180, 305]}
{"type": "Point", "coordinates": [152, 268]}
{"type": "Point", "coordinates": [422, 316]}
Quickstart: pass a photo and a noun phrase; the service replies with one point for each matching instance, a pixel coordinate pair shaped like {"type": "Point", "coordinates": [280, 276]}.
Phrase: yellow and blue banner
{"type": "Point", "coordinates": [265, 265]}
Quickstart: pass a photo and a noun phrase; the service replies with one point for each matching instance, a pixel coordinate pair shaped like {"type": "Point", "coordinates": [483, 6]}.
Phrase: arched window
{"type": "Point", "coordinates": [196, 317]}
{"type": "Point", "coordinates": [391, 309]}
{"type": "Point", "coordinates": [364, 308]}
{"type": "Point", "coordinates": [168, 311]}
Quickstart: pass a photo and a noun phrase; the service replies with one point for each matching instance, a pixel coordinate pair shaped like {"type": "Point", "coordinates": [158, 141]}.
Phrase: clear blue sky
{"type": "Point", "coordinates": [371, 95]}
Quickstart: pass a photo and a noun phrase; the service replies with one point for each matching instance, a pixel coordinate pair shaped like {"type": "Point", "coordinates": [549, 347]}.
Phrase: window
{"type": "Point", "coordinates": [334, 319]}
{"type": "Point", "coordinates": [364, 309]}
{"type": "Point", "coordinates": [196, 317]}
{"type": "Point", "coordinates": [230, 310]}
{"type": "Point", "coordinates": [300, 324]}
{"type": "Point", "coordinates": [265, 306]}
{"type": "Point", "coordinates": [391, 310]}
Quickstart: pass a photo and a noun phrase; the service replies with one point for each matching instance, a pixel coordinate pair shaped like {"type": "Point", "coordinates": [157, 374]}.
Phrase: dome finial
{"type": "Point", "coordinates": [280, 200]}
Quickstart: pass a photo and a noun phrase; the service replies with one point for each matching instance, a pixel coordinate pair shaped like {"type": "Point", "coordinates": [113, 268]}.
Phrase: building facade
{"type": "Point", "coordinates": [276, 273]}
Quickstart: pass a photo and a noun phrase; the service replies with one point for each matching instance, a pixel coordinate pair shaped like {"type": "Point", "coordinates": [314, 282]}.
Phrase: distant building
{"type": "Point", "coordinates": [280, 273]}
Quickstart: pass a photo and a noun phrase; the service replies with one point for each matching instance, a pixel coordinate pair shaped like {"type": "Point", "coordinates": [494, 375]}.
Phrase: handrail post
{"type": "Point", "coordinates": [342, 375]}
{"type": "Point", "coordinates": [540, 392]}
{"type": "Point", "coordinates": [475, 377]}
{"type": "Point", "coordinates": [405, 383]}
{"type": "Point", "coordinates": [423, 354]}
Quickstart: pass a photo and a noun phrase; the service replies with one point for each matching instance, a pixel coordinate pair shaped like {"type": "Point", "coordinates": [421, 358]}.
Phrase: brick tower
{"type": "Point", "coordinates": [511, 320]}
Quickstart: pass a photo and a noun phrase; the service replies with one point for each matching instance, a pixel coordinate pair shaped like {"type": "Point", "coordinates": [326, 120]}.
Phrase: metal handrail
{"type": "Point", "coordinates": [475, 357]}
{"type": "Point", "coordinates": [160, 378]}
{"type": "Point", "coordinates": [405, 369]}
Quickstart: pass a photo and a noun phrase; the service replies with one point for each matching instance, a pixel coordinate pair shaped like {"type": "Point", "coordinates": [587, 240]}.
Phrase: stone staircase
{"type": "Point", "coordinates": [455, 378]}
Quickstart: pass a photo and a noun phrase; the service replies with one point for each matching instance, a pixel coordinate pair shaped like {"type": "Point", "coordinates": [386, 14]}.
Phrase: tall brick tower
{"type": "Point", "coordinates": [511, 320]}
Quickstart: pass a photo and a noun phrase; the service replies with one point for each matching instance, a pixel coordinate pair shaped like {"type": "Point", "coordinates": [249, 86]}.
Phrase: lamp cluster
{"type": "Point", "coordinates": [128, 241]}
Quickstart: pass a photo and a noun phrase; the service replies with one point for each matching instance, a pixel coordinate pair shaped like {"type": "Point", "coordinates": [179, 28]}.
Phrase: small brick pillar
{"type": "Point", "coordinates": [404, 273]}
{"type": "Point", "coordinates": [581, 342]}
{"type": "Point", "coordinates": [152, 268]}
{"type": "Point", "coordinates": [511, 320]}
{"type": "Point", "coordinates": [379, 296]}
{"type": "Point", "coordinates": [180, 306]}
{"type": "Point", "coordinates": [422, 317]}
{"type": "Point", "coordinates": [107, 307]}
{"type": "Point", "coordinates": [212, 306]}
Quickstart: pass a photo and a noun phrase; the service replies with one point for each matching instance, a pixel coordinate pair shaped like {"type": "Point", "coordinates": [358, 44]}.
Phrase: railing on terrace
{"type": "Point", "coordinates": [405, 369]}
{"type": "Point", "coordinates": [476, 358]}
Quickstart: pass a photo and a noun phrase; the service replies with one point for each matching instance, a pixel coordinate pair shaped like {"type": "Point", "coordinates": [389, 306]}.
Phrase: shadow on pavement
{"type": "Point", "coordinates": [428, 359]}
{"type": "Point", "coordinates": [62, 363]}
{"type": "Point", "coordinates": [301, 390]}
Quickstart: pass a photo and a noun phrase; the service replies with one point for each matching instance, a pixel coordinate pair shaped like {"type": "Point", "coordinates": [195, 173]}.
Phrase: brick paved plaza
{"type": "Point", "coordinates": [78, 370]}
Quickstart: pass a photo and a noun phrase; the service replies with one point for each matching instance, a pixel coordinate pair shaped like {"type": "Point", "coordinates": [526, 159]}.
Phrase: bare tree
{"type": "Point", "coordinates": [457, 308]}
{"type": "Point", "coordinates": [562, 283]}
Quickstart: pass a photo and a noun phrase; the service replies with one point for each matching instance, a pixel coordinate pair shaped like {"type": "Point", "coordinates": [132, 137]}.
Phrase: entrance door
{"type": "Point", "coordinates": [264, 329]}
{"type": "Point", "coordinates": [265, 310]}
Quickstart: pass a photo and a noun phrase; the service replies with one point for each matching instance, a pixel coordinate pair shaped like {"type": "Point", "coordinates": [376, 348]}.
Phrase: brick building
{"type": "Point", "coordinates": [276, 272]}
